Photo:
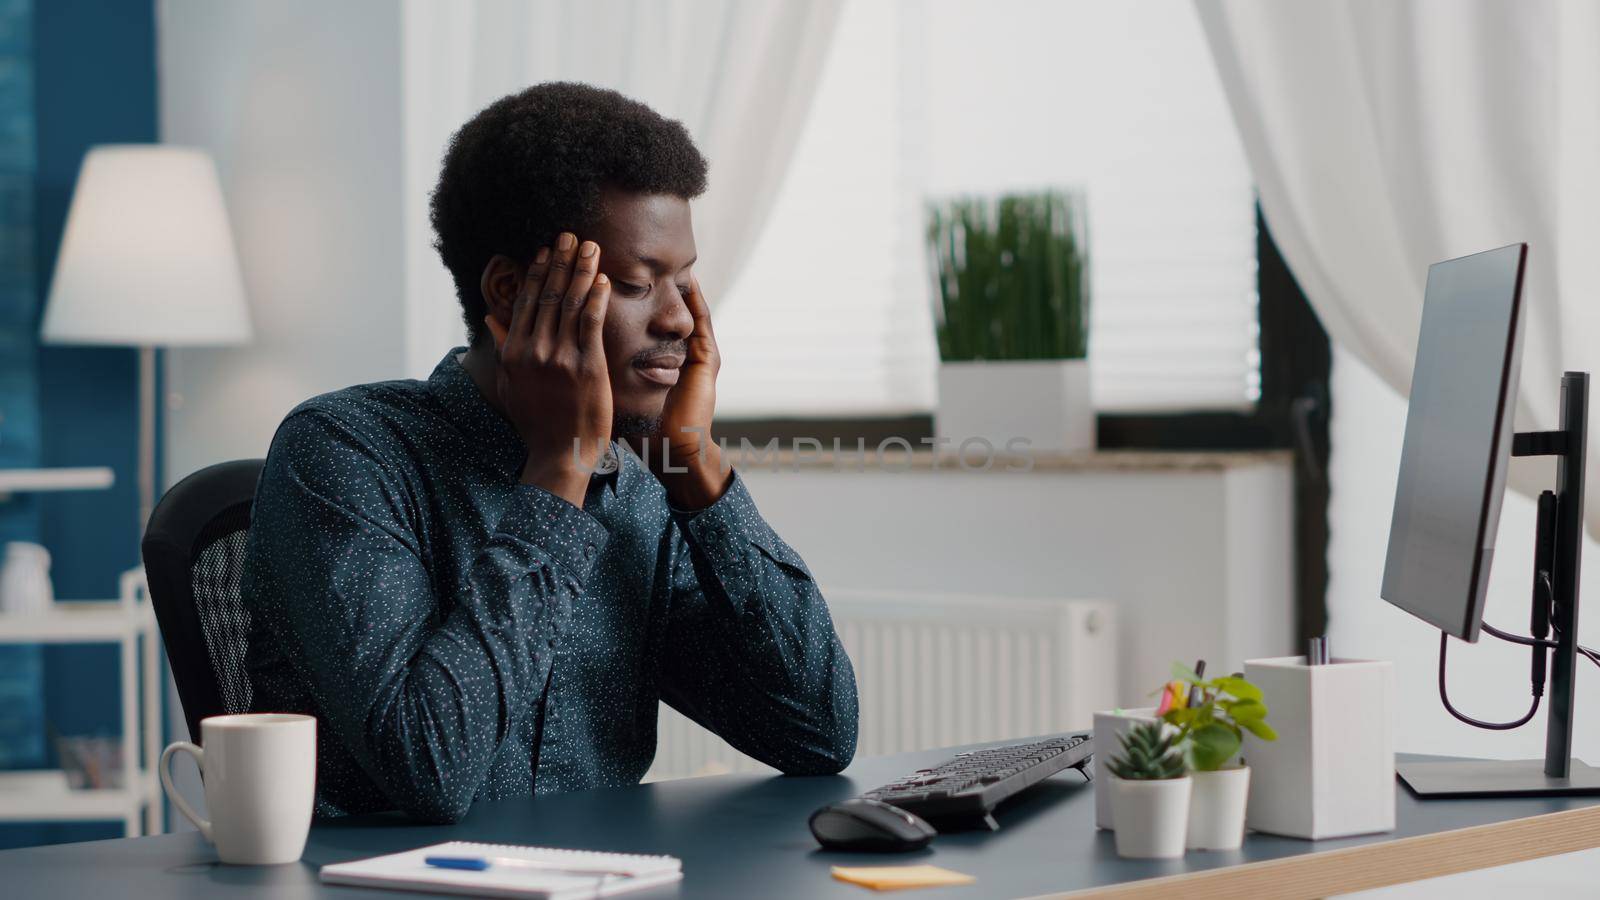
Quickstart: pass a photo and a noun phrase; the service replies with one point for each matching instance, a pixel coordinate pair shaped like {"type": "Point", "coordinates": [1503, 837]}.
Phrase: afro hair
{"type": "Point", "coordinates": [534, 164]}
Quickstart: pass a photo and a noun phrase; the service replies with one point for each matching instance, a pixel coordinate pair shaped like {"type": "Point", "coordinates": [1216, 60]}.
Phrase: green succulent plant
{"type": "Point", "coordinates": [1013, 276]}
{"type": "Point", "coordinates": [1149, 753]}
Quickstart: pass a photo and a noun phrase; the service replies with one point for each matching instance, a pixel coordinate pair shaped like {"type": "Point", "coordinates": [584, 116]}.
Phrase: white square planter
{"type": "Point", "coordinates": [1330, 773]}
{"type": "Point", "coordinates": [1043, 402]}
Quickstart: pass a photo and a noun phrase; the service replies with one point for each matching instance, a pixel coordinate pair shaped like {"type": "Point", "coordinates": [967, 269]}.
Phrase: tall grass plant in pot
{"type": "Point", "coordinates": [1013, 321]}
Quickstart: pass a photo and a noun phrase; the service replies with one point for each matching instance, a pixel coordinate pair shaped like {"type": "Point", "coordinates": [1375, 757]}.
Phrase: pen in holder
{"type": "Point", "coordinates": [1330, 773]}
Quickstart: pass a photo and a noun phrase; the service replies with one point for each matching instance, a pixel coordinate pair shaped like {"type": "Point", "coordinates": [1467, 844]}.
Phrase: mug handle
{"type": "Point", "coordinates": [165, 768]}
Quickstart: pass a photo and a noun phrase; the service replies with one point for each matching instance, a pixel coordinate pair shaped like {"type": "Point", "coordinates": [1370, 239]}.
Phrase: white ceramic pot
{"type": "Point", "coordinates": [1216, 809]}
{"type": "Point", "coordinates": [1109, 726]}
{"type": "Point", "coordinates": [25, 579]}
{"type": "Point", "coordinates": [1152, 816]}
{"type": "Point", "coordinates": [1014, 407]}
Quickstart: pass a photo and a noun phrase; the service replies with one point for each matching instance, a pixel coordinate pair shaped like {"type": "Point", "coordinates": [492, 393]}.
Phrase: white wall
{"type": "Point", "coordinates": [1487, 681]}
{"type": "Point", "coordinates": [299, 102]}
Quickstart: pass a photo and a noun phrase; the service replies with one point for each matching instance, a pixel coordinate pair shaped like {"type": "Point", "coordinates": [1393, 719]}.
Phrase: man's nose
{"type": "Point", "coordinates": [672, 319]}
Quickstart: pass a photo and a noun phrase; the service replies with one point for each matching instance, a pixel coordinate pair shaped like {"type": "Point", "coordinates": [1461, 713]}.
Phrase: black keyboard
{"type": "Point", "coordinates": [970, 785]}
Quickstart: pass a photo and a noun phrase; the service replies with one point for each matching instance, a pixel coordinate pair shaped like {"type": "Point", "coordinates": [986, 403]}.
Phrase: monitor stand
{"type": "Point", "coordinates": [1557, 551]}
{"type": "Point", "coordinates": [1496, 778]}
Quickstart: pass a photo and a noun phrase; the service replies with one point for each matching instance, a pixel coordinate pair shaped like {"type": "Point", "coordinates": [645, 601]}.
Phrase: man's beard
{"type": "Point", "coordinates": [626, 425]}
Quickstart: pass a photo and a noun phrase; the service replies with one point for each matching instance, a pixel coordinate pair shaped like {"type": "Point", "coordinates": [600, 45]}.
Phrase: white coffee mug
{"type": "Point", "coordinates": [260, 774]}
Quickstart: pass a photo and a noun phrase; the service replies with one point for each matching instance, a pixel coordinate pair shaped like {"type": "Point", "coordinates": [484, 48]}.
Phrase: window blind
{"type": "Point", "coordinates": [832, 315]}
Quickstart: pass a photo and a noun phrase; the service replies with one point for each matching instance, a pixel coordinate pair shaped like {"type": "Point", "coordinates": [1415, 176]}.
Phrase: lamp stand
{"type": "Point", "coordinates": [147, 435]}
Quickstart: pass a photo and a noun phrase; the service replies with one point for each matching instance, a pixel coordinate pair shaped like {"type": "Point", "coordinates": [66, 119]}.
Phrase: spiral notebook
{"type": "Point", "coordinates": [408, 871]}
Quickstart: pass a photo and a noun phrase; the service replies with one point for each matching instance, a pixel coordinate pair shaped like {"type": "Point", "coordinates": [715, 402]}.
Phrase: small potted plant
{"type": "Point", "coordinates": [1149, 793]}
{"type": "Point", "coordinates": [1209, 732]}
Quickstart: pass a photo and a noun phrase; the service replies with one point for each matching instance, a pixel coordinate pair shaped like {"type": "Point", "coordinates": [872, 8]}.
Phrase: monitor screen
{"type": "Point", "coordinates": [1457, 440]}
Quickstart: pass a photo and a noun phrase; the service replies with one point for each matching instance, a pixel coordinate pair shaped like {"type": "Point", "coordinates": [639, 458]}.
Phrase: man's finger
{"type": "Point", "coordinates": [496, 331]}
{"type": "Point", "coordinates": [548, 315]}
{"type": "Point", "coordinates": [585, 268]}
{"type": "Point", "coordinates": [522, 309]}
{"type": "Point", "coordinates": [700, 312]}
{"type": "Point", "coordinates": [592, 319]}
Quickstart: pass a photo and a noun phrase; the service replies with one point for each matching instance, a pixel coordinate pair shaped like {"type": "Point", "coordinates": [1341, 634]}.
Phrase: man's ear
{"type": "Point", "coordinates": [499, 284]}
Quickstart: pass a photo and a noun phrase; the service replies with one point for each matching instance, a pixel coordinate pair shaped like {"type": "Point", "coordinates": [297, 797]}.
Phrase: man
{"type": "Point", "coordinates": [482, 584]}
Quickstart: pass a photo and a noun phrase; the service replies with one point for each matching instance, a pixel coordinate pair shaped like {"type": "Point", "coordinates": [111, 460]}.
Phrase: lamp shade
{"type": "Point", "coordinates": [147, 257]}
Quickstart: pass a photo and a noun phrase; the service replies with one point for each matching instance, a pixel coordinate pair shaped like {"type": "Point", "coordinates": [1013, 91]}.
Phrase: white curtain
{"type": "Point", "coordinates": [739, 74]}
{"type": "Point", "coordinates": [1385, 135]}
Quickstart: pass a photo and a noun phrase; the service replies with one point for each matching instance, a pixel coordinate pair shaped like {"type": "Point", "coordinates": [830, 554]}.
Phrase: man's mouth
{"type": "Point", "coordinates": [662, 370]}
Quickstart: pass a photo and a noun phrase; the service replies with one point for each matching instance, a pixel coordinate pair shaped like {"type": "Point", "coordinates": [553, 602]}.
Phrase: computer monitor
{"type": "Point", "coordinates": [1458, 443]}
{"type": "Point", "coordinates": [1457, 440]}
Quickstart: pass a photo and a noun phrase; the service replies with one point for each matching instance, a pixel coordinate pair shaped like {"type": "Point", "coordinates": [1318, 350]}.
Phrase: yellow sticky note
{"type": "Point", "coordinates": [894, 878]}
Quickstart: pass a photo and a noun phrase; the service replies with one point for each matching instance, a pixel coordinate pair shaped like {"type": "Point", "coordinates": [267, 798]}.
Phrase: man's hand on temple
{"type": "Point", "coordinates": [683, 454]}
{"type": "Point", "coordinates": [551, 374]}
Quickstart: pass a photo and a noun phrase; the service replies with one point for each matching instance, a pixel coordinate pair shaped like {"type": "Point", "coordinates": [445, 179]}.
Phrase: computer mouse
{"type": "Point", "coordinates": [862, 824]}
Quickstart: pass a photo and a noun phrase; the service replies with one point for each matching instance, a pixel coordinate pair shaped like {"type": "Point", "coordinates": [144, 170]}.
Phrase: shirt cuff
{"type": "Point", "coordinates": [562, 534]}
{"type": "Point", "coordinates": [733, 537]}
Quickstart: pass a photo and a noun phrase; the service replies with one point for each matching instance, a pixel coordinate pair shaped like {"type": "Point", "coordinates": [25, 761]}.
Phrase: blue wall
{"type": "Point", "coordinates": [22, 717]}
{"type": "Point", "coordinates": [94, 79]}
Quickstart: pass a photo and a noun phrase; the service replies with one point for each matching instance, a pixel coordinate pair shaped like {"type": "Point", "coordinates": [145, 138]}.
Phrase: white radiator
{"type": "Point", "coordinates": [934, 670]}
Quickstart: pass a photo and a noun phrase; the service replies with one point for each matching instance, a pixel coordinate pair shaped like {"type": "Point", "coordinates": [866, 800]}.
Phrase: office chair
{"type": "Point", "coordinates": [193, 552]}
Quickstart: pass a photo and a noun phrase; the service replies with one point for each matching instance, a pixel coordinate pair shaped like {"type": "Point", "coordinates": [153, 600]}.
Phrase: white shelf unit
{"type": "Point", "coordinates": [91, 478]}
{"type": "Point", "coordinates": [129, 622]}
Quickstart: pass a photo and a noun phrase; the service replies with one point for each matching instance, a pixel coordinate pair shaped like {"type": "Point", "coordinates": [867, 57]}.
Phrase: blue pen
{"type": "Point", "coordinates": [484, 863]}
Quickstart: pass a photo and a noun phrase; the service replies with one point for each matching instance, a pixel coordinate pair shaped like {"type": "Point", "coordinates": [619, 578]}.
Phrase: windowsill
{"type": "Point", "coordinates": [893, 460]}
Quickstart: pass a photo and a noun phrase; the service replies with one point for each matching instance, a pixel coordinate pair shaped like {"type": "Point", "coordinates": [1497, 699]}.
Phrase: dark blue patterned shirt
{"type": "Point", "coordinates": [460, 635]}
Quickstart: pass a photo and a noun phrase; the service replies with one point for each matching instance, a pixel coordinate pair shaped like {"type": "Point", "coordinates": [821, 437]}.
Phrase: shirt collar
{"type": "Point", "coordinates": [466, 406]}
{"type": "Point", "coordinates": [612, 472]}
{"type": "Point", "coordinates": [628, 467]}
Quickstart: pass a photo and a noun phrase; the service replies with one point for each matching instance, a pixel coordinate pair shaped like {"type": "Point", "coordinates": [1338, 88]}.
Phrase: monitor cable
{"type": "Point", "coordinates": [1590, 655]}
{"type": "Point", "coordinates": [1540, 645]}
{"type": "Point", "coordinates": [1444, 695]}
{"type": "Point", "coordinates": [1539, 640]}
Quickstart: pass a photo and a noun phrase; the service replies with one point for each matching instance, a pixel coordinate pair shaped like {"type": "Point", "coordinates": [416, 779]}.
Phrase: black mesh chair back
{"type": "Point", "coordinates": [193, 552]}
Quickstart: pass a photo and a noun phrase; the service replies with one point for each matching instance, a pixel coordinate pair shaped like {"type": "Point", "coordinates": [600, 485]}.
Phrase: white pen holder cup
{"type": "Point", "coordinates": [1330, 773]}
{"type": "Point", "coordinates": [1109, 727]}
{"type": "Point", "coordinates": [260, 776]}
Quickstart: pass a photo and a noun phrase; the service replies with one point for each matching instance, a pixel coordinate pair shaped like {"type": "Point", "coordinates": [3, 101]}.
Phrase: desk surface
{"type": "Point", "coordinates": [746, 836]}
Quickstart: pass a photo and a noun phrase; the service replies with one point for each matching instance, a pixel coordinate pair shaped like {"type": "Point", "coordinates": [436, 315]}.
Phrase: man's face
{"type": "Point", "coordinates": [647, 250]}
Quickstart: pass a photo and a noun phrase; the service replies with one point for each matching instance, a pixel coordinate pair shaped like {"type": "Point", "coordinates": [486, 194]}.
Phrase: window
{"type": "Point", "coordinates": [832, 315]}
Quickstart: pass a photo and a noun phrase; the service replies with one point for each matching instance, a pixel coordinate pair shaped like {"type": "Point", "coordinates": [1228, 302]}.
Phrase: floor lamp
{"type": "Point", "coordinates": [147, 261]}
